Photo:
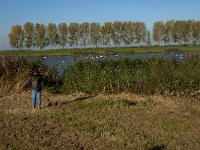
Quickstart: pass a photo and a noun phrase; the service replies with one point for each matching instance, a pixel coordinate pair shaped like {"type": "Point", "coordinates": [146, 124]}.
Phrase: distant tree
{"type": "Point", "coordinates": [173, 31]}
{"type": "Point", "coordinates": [95, 34]}
{"type": "Point", "coordinates": [185, 31]}
{"type": "Point", "coordinates": [195, 32]}
{"type": "Point", "coordinates": [52, 34]}
{"type": "Point", "coordinates": [117, 33]}
{"type": "Point", "coordinates": [106, 34]}
{"type": "Point", "coordinates": [158, 31]}
{"type": "Point", "coordinates": [128, 33]}
{"type": "Point", "coordinates": [28, 35]}
{"type": "Point", "coordinates": [73, 34]}
{"type": "Point", "coordinates": [84, 33]}
{"type": "Point", "coordinates": [168, 31]}
{"type": "Point", "coordinates": [178, 30]}
{"type": "Point", "coordinates": [16, 37]}
{"type": "Point", "coordinates": [40, 38]}
{"type": "Point", "coordinates": [140, 32]}
{"type": "Point", "coordinates": [63, 34]}
{"type": "Point", "coordinates": [148, 41]}
{"type": "Point", "coordinates": [198, 30]}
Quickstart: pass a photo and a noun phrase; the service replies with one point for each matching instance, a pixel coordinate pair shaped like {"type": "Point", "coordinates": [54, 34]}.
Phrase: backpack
{"type": "Point", "coordinates": [36, 83]}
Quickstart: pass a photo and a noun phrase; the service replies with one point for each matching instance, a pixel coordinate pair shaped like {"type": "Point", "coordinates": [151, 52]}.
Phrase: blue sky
{"type": "Point", "coordinates": [14, 12]}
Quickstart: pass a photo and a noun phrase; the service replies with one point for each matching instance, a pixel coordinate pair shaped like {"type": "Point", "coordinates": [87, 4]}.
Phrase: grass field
{"type": "Point", "coordinates": [69, 52]}
{"type": "Point", "coordinates": [100, 122]}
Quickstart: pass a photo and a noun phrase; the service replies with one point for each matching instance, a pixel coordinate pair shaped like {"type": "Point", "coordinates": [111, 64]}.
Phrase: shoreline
{"type": "Point", "coordinates": [98, 51]}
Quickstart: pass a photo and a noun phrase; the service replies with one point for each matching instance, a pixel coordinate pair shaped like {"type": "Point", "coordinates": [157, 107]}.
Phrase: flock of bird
{"type": "Point", "coordinates": [179, 56]}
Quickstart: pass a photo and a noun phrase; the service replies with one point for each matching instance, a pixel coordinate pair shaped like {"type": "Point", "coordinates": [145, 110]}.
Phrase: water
{"type": "Point", "coordinates": [64, 61]}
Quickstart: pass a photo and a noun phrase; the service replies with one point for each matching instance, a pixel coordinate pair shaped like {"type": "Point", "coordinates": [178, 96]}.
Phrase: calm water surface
{"type": "Point", "coordinates": [64, 61]}
{"type": "Point", "coordinates": [67, 60]}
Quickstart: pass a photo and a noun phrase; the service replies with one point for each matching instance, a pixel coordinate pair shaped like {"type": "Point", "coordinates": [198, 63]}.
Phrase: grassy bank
{"type": "Point", "coordinates": [103, 51]}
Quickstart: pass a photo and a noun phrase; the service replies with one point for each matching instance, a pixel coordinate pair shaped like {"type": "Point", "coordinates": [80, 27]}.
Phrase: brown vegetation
{"type": "Point", "coordinates": [80, 121]}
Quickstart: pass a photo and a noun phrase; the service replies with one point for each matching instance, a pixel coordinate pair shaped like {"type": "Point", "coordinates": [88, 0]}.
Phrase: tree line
{"type": "Point", "coordinates": [117, 34]}
{"type": "Point", "coordinates": [181, 32]}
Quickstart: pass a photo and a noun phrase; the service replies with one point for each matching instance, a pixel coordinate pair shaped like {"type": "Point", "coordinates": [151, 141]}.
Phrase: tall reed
{"type": "Point", "coordinates": [16, 71]}
{"type": "Point", "coordinates": [142, 76]}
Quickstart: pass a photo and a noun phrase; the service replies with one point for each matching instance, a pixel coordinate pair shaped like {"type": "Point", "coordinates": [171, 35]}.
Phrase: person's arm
{"type": "Point", "coordinates": [29, 81]}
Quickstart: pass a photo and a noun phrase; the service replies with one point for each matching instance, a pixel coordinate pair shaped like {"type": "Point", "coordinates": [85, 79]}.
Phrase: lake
{"type": "Point", "coordinates": [67, 60]}
{"type": "Point", "coordinates": [64, 61]}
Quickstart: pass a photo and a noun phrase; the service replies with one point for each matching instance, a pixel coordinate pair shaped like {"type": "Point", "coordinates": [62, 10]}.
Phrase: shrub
{"type": "Point", "coordinates": [142, 76]}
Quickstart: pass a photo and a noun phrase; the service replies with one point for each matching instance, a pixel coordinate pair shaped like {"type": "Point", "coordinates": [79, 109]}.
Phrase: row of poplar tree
{"type": "Point", "coordinates": [108, 35]}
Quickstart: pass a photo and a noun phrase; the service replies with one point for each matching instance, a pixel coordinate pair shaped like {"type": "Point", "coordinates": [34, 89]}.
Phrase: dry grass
{"type": "Point", "coordinates": [12, 85]}
{"type": "Point", "coordinates": [80, 121]}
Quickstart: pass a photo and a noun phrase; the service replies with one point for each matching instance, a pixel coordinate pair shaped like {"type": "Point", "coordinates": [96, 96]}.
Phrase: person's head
{"type": "Point", "coordinates": [35, 71]}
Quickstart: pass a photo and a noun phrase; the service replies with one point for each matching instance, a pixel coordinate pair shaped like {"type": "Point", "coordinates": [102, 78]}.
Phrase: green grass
{"type": "Point", "coordinates": [70, 52]}
{"type": "Point", "coordinates": [149, 102]}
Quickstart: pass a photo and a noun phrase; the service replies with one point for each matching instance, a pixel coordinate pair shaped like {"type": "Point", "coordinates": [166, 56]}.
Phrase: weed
{"type": "Point", "coordinates": [149, 102]}
{"type": "Point", "coordinates": [87, 128]}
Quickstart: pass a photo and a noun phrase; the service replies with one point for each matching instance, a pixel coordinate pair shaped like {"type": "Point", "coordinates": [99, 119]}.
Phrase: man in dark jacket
{"type": "Point", "coordinates": [36, 81]}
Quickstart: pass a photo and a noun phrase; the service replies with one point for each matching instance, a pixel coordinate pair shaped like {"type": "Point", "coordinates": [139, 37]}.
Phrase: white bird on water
{"type": "Point", "coordinates": [45, 57]}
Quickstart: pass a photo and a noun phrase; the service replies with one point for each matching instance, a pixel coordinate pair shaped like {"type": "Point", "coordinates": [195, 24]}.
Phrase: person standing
{"type": "Point", "coordinates": [36, 84]}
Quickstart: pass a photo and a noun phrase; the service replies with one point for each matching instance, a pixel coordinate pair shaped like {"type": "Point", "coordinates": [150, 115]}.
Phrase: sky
{"type": "Point", "coordinates": [13, 12]}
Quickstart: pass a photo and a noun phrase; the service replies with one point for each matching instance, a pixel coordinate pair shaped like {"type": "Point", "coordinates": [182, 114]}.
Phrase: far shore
{"type": "Point", "coordinates": [97, 51]}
